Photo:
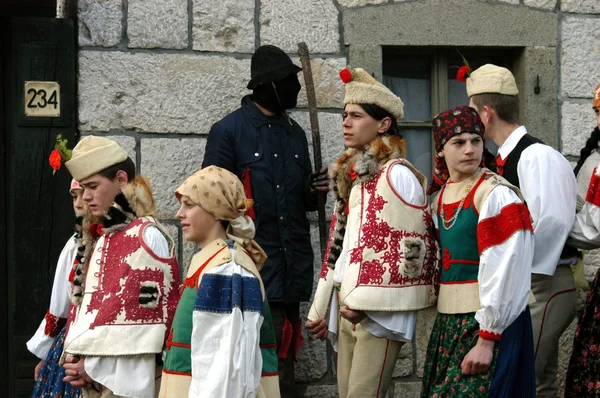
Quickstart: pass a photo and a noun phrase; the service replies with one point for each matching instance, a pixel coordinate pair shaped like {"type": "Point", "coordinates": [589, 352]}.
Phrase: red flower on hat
{"type": "Point", "coordinates": [55, 159]}
{"type": "Point", "coordinates": [463, 73]}
{"type": "Point", "coordinates": [346, 75]}
{"type": "Point", "coordinates": [59, 154]}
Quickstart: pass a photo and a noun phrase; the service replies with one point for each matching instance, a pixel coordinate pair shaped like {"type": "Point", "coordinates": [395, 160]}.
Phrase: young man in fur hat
{"type": "Point", "coordinates": [481, 344]}
{"type": "Point", "coordinates": [268, 151]}
{"type": "Point", "coordinates": [550, 190]}
{"type": "Point", "coordinates": [382, 257]}
{"type": "Point", "coordinates": [126, 281]}
{"type": "Point", "coordinates": [221, 344]}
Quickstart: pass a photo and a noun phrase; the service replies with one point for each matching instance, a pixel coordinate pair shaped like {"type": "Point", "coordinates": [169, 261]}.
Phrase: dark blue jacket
{"type": "Point", "coordinates": [274, 151]}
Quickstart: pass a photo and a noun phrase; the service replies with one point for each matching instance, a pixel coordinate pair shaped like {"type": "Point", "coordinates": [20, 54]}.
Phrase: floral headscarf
{"type": "Point", "coordinates": [458, 120]}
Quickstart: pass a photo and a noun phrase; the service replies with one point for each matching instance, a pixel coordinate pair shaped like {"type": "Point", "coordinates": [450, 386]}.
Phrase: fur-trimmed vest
{"type": "Point", "coordinates": [393, 258]}
{"type": "Point", "coordinates": [124, 297]}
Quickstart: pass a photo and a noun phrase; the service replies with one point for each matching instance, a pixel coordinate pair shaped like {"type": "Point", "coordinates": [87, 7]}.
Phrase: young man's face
{"type": "Point", "coordinates": [196, 223]}
{"type": "Point", "coordinates": [463, 154]}
{"type": "Point", "coordinates": [360, 129]}
{"type": "Point", "coordinates": [99, 193]}
{"type": "Point", "coordinates": [77, 196]}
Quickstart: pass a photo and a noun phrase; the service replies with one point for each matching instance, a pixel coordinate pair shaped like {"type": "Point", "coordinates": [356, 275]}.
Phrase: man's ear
{"type": "Point", "coordinates": [386, 122]}
{"type": "Point", "coordinates": [122, 178]}
{"type": "Point", "coordinates": [489, 114]}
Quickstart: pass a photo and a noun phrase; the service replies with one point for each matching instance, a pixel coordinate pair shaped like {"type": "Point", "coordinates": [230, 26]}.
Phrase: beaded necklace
{"type": "Point", "coordinates": [450, 223]}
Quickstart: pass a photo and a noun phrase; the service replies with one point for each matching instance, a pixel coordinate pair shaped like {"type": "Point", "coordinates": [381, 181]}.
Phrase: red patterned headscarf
{"type": "Point", "coordinates": [458, 120]}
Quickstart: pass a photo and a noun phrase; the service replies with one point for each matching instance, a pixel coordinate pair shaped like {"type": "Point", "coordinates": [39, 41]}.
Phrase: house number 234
{"type": "Point", "coordinates": [42, 99]}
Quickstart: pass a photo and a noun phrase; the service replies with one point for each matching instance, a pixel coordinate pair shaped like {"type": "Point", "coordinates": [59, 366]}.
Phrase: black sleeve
{"type": "Point", "coordinates": [220, 148]}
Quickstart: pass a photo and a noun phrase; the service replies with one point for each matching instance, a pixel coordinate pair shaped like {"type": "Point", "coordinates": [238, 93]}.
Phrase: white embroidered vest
{"type": "Point", "coordinates": [393, 256]}
{"type": "Point", "coordinates": [129, 299]}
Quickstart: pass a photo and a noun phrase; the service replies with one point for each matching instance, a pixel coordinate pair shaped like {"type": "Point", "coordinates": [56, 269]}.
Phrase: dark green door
{"type": "Point", "coordinates": [36, 215]}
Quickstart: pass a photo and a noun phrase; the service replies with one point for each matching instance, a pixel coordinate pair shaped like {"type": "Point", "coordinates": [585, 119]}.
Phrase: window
{"type": "Point", "coordinates": [425, 79]}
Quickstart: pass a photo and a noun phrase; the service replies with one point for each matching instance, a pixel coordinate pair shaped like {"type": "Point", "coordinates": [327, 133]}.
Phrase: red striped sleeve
{"type": "Point", "coordinates": [494, 231]}
{"type": "Point", "coordinates": [593, 193]}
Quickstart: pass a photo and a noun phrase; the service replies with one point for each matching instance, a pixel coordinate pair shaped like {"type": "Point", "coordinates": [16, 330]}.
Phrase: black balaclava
{"type": "Point", "coordinates": [278, 96]}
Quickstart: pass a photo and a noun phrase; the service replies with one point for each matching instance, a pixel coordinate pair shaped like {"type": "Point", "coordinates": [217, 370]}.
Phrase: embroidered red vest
{"type": "Point", "coordinates": [129, 299]}
{"type": "Point", "coordinates": [393, 256]}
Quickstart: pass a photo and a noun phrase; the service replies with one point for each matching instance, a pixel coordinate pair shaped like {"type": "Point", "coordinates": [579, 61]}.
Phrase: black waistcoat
{"type": "Point", "coordinates": [512, 161]}
{"type": "Point", "coordinates": [510, 174]}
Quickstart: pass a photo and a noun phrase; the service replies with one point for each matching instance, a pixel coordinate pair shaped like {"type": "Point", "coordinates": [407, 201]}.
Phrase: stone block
{"type": "Point", "coordinates": [580, 56]}
{"type": "Point", "coordinates": [99, 22]}
{"type": "Point", "coordinates": [223, 25]}
{"type": "Point", "coordinates": [367, 57]}
{"type": "Point", "coordinates": [541, 4]}
{"type": "Point", "coordinates": [510, 1]}
{"type": "Point", "coordinates": [157, 24]}
{"type": "Point", "coordinates": [407, 389]}
{"type": "Point", "coordinates": [166, 93]}
{"type": "Point", "coordinates": [539, 63]}
{"type": "Point", "coordinates": [284, 23]}
{"type": "Point", "coordinates": [565, 347]}
{"type": "Point", "coordinates": [167, 162]}
{"type": "Point", "coordinates": [312, 357]}
{"type": "Point", "coordinates": [418, 23]}
{"type": "Point", "coordinates": [359, 3]}
{"type": "Point", "coordinates": [404, 363]}
{"type": "Point", "coordinates": [425, 321]}
{"type": "Point", "coordinates": [331, 132]}
{"type": "Point", "coordinates": [580, 6]}
{"type": "Point", "coordinates": [578, 122]}
{"type": "Point", "coordinates": [329, 89]}
{"type": "Point", "coordinates": [321, 391]}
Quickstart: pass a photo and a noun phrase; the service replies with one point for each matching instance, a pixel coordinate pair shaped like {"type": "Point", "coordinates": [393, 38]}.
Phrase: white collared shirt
{"type": "Point", "coordinates": [549, 187]}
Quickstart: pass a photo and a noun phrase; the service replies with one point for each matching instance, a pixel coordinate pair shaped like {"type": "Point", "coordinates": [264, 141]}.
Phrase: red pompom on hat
{"type": "Point", "coordinates": [463, 73]}
{"type": "Point", "coordinates": [346, 75]}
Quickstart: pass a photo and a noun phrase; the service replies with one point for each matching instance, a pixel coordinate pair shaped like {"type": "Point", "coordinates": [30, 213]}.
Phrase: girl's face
{"type": "Point", "coordinates": [597, 111]}
{"type": "Point", "coordinates": [360, 129]}
{"type": "Point", "coordinates": [463, 154]}
{"type": "Point", "coordinates": [196, 223]}
{"type": "Point", "coordinates": [77, 196]}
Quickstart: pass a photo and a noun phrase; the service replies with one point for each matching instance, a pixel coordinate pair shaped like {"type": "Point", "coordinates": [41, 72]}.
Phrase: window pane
{"type": "Point", "coordinates": [418, 149]}
{"type": "Point", "coordinates": [408, 76]}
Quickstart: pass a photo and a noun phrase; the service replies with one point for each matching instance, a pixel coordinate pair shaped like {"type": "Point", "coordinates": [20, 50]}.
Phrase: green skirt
{"type": "Point", "coordinates": [452, 337]}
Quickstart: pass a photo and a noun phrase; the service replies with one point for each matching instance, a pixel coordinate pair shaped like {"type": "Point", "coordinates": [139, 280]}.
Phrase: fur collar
{"type": "Point", "coordinates": [134, 200]}
{"type": "Point", "coordinates": [367, 164]}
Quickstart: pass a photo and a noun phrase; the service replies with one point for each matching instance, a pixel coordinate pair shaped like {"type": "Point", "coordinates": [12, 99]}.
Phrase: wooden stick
{"type": "Point", "coordinates": [316, 136]}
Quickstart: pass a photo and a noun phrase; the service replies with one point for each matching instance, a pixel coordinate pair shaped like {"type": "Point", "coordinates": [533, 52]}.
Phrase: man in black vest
{"type": "Point", "coordinates": [549, 187]}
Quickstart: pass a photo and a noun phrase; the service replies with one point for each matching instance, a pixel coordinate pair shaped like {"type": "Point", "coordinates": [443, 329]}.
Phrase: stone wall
{"type": "Point", "coordinates": [155, 74]}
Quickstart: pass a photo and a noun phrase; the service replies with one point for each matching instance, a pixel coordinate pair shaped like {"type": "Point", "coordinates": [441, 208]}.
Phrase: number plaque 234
{"type": "Point", "coordinates": [42, 99]}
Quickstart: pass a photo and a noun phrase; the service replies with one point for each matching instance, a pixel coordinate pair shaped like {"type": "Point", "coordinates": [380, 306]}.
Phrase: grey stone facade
{"type": "Point", "coordinates": [154, 75]}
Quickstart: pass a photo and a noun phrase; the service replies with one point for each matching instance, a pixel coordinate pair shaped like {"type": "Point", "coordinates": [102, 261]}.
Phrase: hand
{"type": "Point", "coordinates": [478, 360]}
{"type": "Point", "coordinates": [351, 315]}
{"type": "Point", "coordinates": [319, 180]}
{"type": "Point", "coordinates": [318, 328]}
{"type": "Point", "coordinates": [75, 372]}
{"type": "Point", "coordinates": [38, 369]}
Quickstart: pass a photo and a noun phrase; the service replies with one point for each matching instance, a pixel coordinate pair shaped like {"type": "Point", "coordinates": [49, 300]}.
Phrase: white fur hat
{"type": "Point", "coordinates": [491, 79]}
{"type": "Point", "coordinates": [93, 154]}
{"type": "Point", "coordinates": [362, 88]}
